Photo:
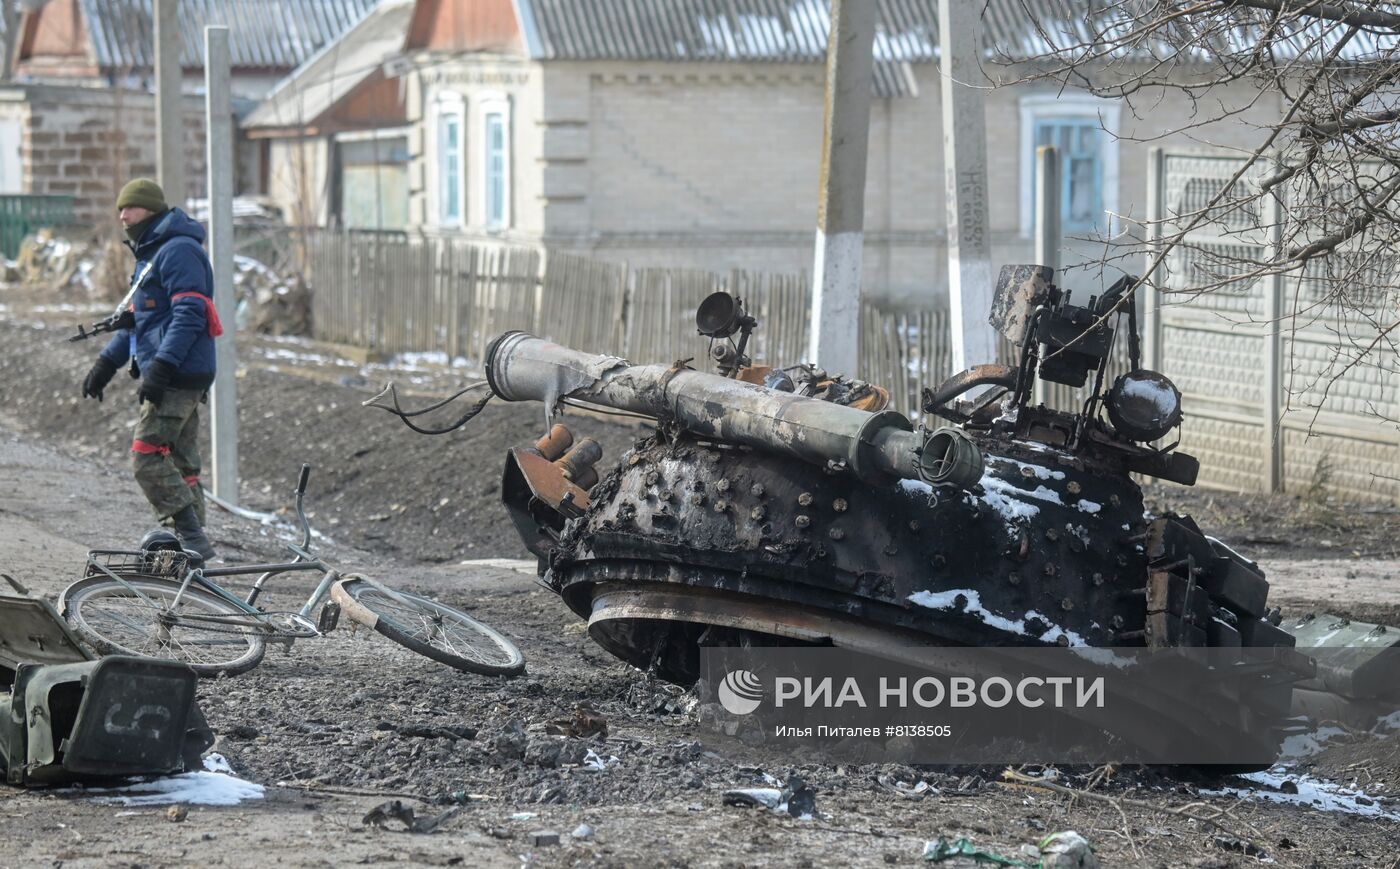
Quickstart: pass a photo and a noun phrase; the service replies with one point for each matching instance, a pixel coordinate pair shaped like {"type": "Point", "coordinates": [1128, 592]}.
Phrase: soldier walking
{"type": "Point", "coordinates": [168, 340]}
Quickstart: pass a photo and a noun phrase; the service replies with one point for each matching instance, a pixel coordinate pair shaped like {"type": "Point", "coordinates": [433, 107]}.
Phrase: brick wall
{"type": "Point", "coordinates": [87, 142]}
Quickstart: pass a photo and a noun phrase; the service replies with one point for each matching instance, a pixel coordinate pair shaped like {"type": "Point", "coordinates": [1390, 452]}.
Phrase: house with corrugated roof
{"type": "Point", "coordinates": [688, 133]}
{"type": "Point", "coordinates": [78, 116]}
{"type": "Point", "coordinates": [333, 133]}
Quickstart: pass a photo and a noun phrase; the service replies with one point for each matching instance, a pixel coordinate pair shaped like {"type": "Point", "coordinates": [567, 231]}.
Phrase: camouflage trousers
{"type": "Point", "coordinates": [165, 453]}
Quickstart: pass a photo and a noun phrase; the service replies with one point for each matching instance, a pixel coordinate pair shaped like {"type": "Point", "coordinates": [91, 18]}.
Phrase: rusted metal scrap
{"type": "Point", "coordinates": [65, 717]}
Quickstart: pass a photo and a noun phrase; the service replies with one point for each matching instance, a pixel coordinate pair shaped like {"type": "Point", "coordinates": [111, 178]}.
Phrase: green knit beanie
{"type": "Point", "coordinates": [142, 193]}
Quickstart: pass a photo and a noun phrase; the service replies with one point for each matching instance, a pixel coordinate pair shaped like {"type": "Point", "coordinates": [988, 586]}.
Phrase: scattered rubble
{"type": "Point", "coordinates": [1067, 850]}
{"type": "Point", "coordinates": [97, 269]}
{"type": "Point", "coordinates": [268, 303]}
{"type": "Point", "coordinates": [90, 268]}
{"type": "Point", "coordinates": [396, 810]}
{"type": "Point", "coordinates": [795, 798]}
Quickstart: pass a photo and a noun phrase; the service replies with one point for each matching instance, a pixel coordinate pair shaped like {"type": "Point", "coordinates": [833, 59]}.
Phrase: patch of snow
{"type": "Point", "coordinates": [277, 353]}
{"type": "Point", "coordinates": [1006, 500]}
{"type": "Point", "coordinates": [426, 360]}
{"type": "Point", "coordinates": [1388, 722]}
{"type": "Point", "coordinates": [916, 487]}
{"type": "Point", "coordinates": [1040, 471]}
{"type": "Point", "coordinates": [1104, 657]}
{"type": "Point", "coordinates": [215, 785]}
{"type": "Point", "coordinates": [972, 605]}
{"type": "Point", "coordinates": [419, 359]}
{"type": "Point", "coordinates": [216, 762]}
{"type": "Point", "coordinates": [1307, 744]}
{"type": "Point", "coordinates": [1090, 507]}
{"type": "Point", "coordinates": [1078, 531]}
{"type": "Point", "coordinates": [598, 763]}
{"type": "Point", "coordinates": [1312, 793]}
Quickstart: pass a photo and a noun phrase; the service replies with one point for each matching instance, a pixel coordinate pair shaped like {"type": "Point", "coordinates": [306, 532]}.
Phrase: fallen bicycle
{"type": "Point", "coordinates": [160, 601]}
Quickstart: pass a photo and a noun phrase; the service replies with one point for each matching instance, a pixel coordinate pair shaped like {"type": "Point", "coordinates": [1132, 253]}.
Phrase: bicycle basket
{"type": "Point", "coordinates": [128, 563]}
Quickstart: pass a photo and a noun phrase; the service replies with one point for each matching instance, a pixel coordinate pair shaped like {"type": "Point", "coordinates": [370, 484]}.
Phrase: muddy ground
{"type": "Point", "coordinates": [339, 725]}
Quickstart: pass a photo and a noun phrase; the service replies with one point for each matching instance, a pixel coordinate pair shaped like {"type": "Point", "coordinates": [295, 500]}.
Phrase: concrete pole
{"type": "Point", "coordinates": [834, 343]}
{"type": "Point", "coordinates": [219, 137]}
{"type": "Point", "coordinates": [965, 168]}
{"type": "Point", "coordinates": [1047, 207]}
{"type": "Point", "coordinates": [170, 122]}
{"type": "Point", "coordinates": [1272, 356]}
{"type": "Point", "coordinates": [1047, 228]}
{"type": "Point", "coordinates": [1150, 299]}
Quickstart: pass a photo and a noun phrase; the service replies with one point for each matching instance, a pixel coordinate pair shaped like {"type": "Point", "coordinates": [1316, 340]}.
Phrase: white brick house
{"type": "Point", "coordinates": [690, 136]}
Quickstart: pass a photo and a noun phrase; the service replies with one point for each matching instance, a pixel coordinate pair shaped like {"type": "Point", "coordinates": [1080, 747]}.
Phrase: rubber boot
{"type": "Point", "coordinates": [191, 534]}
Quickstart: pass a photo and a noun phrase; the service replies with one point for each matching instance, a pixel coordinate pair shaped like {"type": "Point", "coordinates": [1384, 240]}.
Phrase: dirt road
{"type": "Point", "coordinates": [336, 727]}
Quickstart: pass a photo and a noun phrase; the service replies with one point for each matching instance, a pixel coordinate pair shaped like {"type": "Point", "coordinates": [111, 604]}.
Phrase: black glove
{"type": "Point", "coordinates": [125, 320]}
{"type": "Point", "coordinates": [98, 377]}
{"type": "Point", "coordinates": [155, 379]}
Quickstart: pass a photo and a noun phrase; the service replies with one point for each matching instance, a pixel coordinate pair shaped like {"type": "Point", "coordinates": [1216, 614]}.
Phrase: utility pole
{"type": "Point", "coordinates": [965, 169]}
{"type": "Point", "coordinates": [218, 120]}
{"type": "Point", "coordinates": [170, 121]}
{"type": "Point", "coordinates": [1047, 207]}
{"type": "Point", "coordinates": [9, 11]}
{"type": "Point", "coordinates": [836, 268]}
{"type": "Point", "coordinates": [1047, 228]}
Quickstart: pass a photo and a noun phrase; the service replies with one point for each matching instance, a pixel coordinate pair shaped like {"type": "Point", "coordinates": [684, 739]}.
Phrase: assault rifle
{"type": "Point", "coordinates": [121, 318]}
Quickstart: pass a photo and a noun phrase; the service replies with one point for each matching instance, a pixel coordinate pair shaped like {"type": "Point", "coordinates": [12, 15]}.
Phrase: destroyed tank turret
{"type": "Point", "coordinates": [802, 511]}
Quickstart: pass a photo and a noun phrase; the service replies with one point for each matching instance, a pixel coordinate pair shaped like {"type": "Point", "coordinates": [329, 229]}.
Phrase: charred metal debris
{"type": "Point", "coordinates": [781, 506]}
{"type": "Point", "coordinates": [65, 717]}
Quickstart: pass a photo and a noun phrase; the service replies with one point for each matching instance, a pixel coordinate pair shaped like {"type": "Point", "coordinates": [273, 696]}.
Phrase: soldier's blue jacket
{"type": "Point", "coordinates": [174, 306]}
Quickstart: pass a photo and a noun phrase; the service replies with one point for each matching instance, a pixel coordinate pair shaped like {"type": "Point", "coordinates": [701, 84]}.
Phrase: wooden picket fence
{"type": "Point", "coordinates": [393, 294]}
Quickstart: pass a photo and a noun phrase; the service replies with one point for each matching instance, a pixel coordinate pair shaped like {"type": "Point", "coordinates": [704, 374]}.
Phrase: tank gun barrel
{"type": "Point", "coordinates": [877, 447]}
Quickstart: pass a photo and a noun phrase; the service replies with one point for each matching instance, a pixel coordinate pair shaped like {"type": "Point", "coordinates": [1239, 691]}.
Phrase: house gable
{"type": "Point", "coordinates": [465, 25]}
{"type": "Point", "coordinates": [55, 39]}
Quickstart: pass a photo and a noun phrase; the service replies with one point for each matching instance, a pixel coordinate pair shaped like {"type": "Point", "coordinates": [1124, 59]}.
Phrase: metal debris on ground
{"type": "Point", "coordinates": [1240, 846]}
{"type": "Point", "coordinates": [396, 810]}
{"type": "Point", "coordinates": [67, 718]}
{"type": "Point", "coordinates": [584, 723]}
{"type": "Point", "coordinates": [794, 798]}
{"type": "Point", "coordinates": [757, 516]}
{"type": "Point", "coordinates": [767, 798]}
{"type": "Point", "coordinates": [943, 849]}
{"type": "Point", "coordinates": [1067, 850]}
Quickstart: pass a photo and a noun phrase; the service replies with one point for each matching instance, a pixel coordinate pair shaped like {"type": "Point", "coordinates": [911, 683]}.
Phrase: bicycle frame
{"type": "Point", "coordinates": [202, 576]}
{"type": "Point", "coordinates": [303, 562]}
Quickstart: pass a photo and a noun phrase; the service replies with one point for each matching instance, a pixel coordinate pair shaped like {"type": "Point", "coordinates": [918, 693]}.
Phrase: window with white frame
{"type": "Point", "coordinates": [1083, 131]}
{"type": "Point", "coordinates": [451, 148]}
{"type": "Point", "coordinates": [495, 162]}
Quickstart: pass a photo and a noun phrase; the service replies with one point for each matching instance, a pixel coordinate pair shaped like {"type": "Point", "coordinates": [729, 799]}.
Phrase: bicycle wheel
{"type": "Point", "coordinates": [202, 631]}
{"type": "Point", "coordinates": [431, 629]}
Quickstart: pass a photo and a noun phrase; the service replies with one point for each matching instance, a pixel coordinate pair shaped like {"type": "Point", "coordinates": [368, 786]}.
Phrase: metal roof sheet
{"type": "Point", "coordinates": [268, 34]}
{"type": "Point", "coordinates": [336, 70]}
{"type": "Point", "coordinates": [777, 31]}
{"type": "Point", "coordinates": [788, 31]}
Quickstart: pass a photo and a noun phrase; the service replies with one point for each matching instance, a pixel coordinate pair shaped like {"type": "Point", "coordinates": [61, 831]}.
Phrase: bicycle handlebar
{"type": "Point", "coordinates": [301, 514]}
